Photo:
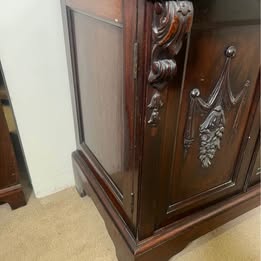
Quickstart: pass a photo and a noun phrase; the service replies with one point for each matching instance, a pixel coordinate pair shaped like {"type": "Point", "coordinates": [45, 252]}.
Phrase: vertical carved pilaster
{"type": "Point", "coordinates": [172, 20]}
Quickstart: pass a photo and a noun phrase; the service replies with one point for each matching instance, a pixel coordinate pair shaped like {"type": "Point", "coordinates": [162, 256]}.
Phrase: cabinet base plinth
{"type": "Point", "coordinates": [13, 196]}
{"type": "Point", "coordinates": [167, 242]}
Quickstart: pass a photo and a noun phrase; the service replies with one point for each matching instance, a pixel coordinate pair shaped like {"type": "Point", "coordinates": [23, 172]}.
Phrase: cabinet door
{"type": "Point", "coordinates": [101, 41]}
{"type": "Point", "coordinates": [255, 169]}
{"type": "Point", "coordinates": [196, 122]}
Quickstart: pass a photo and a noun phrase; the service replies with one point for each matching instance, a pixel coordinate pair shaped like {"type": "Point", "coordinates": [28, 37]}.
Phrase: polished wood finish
{"type": "Point", "coordinates": [102, 126]}
{"type": "Point", "coordinates": [116, 107]}
{"type": "Point", "coordinates": [111, 10]}
{"type": "Point", "coordinates": [178, 184]}
{"type": "Point", "coordinates": [10, 189]}
{"type": "Point", "coordinates": [166, 242]}
{"type": "Point", "coordinates": [255, 169]}
{"type": "Point", "coordinates": [166, 106]}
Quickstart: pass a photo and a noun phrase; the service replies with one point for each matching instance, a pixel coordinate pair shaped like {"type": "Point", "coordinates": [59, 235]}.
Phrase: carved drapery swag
{"type": "Point", "coordinates": [213, 127]}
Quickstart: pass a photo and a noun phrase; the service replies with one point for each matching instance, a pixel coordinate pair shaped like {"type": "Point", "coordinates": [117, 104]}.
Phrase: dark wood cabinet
{"type": "Point", "coordinates": [166, 104]}
{"type": "Point", "coordinates": [10, 188]}
{"type": "Point", "coordinates": [255, 170]}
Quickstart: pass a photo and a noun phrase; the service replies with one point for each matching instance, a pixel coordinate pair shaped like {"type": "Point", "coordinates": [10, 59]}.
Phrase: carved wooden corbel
{"type": "Point", "coordinates": [172, 20]}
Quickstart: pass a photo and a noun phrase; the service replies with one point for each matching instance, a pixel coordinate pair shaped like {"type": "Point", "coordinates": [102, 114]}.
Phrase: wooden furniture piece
{"type": "Point", "coordinates": [10, 188]}
{"type": "Point", "coordinates": [166, 103]}
{"type": "Point", "coordinates": [3, 92]}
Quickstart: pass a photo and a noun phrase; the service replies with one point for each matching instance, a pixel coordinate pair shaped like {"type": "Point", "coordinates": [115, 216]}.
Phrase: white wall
{"type": "Point", "coordinates": [33, 58]}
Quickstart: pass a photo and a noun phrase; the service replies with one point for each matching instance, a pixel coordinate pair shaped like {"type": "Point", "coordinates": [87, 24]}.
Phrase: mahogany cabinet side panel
{"type": "Point", "coordinates": [8, 165]}
{"type": "Point", "coordinates": [100, 60]}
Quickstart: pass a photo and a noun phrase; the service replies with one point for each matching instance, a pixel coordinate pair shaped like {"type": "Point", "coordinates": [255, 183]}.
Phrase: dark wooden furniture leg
{"type": "Point", "coordinates": [79, 182]}
{"type": "Point", "coordinates": [10, 187]}
{"type": "Point", "coordinates": [14, 196]}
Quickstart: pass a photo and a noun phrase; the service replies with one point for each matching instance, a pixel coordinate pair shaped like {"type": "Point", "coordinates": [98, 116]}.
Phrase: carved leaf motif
{"type": "Point", "coordinates": [155, 105]}
{"type": "Point", "coordinates": [211, 132]}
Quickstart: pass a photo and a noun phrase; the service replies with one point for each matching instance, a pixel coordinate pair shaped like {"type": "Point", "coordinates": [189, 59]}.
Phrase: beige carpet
{"type": "Point", "coordinates": [64, 226]}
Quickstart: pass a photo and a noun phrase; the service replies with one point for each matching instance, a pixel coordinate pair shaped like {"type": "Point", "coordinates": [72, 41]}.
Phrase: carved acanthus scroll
{"type": "Point", "coordinates": [212, 129]}
{"type": "Point", "coordinates": [172, 20]}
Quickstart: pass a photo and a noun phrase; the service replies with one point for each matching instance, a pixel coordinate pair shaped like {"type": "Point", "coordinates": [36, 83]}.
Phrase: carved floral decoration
{"type": "Point", "coordinates": [212, 129]}
{"type": "Point", "coordinates": [211, 132]}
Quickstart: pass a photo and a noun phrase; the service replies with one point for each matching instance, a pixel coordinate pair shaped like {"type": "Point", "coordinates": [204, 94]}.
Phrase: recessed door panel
{"type": "Point", "coordinates": [100, 70]}
{"type": "Point", "coordinates": [204, 99]}
{"type": "Point", "coordinates": [101, 41]}
{"type": "Point", "coordinates": [218, 90]}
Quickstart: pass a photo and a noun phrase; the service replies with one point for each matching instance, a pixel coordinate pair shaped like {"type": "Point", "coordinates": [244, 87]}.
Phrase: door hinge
{"type": "Point", "coordinates": [132, 202]}
{"type": "Point", "coordinates": [135, 60]}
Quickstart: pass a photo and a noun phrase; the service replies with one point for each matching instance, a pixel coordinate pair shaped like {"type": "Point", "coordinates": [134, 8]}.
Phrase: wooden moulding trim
{"type": "Point", "coordinates": [104, 181]}
{"type": "Point", "coordinates": [178, 228]}
{"type": "Point", "coordinates": [219, 213]}
{"type": "Point", "coordinates": [106, 202]}
{"type": "Point", "coordinates": [101, 172]}
{"type": "Point", "coordinates": [10, 189]}
{"type": "Point", "coordinates": [103, 8]}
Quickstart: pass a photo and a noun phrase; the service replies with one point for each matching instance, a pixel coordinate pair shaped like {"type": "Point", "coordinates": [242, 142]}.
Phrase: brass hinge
{"type": "Point", "coordinates": [135, 60]}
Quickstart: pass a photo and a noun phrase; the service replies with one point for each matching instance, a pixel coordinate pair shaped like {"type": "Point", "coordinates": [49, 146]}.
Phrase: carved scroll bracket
{"type": "Point", "coordinates": [172, 20]}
